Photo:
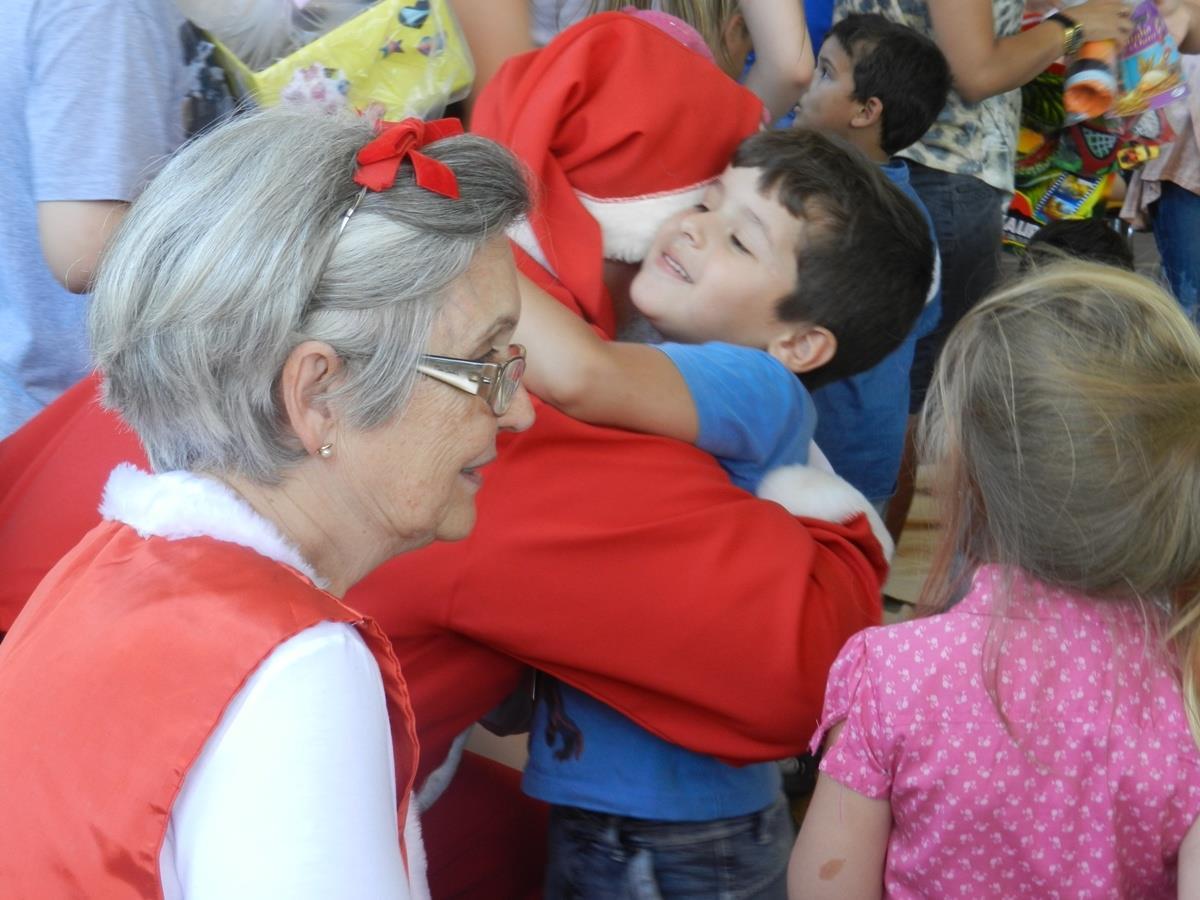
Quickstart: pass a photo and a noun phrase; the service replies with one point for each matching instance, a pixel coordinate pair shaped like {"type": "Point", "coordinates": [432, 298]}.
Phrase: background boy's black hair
{"type": "Point", "coordinates": [902, 67]}
{"type": "Point", "coordinates": [1089, 239]}
{"type": "Point", "coordinates": [866, 264]}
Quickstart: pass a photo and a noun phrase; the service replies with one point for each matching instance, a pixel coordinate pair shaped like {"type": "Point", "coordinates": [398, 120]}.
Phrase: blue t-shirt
{"type": "Point", "coordinates": [94, 100]}
{"type": "Point", "coordinates": [861, 420]}
{"type": "Point", "coordinates": [754, 415]}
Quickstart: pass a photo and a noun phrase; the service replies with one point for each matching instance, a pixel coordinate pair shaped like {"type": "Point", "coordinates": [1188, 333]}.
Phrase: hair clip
{"type": "Point", "coordinates": [379, 161]}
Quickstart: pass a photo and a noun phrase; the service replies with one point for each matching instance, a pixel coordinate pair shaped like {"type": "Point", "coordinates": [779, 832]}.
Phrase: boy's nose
{"type": "Point", "coordinates": [692, 226]}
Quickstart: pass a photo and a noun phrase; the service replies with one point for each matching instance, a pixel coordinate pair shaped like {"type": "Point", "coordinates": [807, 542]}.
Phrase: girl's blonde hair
{"type": "Point", "coordinates": [1065, 421]}
{"type": "Point", "coordinates": [709, 17]}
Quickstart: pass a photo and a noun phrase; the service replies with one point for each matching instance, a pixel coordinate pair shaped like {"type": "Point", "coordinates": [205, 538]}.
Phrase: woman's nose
{"type": "Point", "coordinates": [519, 414]}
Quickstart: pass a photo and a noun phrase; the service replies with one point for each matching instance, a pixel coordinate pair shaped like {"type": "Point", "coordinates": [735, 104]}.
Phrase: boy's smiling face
{"type": "Point", "coordinates": [829, 105]}
{"type": "Point", "coordinates": [717, 271]}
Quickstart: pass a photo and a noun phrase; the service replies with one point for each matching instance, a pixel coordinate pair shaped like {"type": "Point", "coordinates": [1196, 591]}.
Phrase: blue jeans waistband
{"type": "Point", "coordinates": [628, 830]}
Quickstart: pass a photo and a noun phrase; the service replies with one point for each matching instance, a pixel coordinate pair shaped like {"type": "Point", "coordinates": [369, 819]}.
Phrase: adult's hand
{"type": "Point", "coordinates": [1103, 20]}
{"type": "Point", "coordinates": [984, 65]}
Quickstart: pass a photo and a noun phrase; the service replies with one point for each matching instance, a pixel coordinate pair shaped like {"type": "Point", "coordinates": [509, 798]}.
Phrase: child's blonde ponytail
{"type": "Point", "coordinates": [1065, 419]}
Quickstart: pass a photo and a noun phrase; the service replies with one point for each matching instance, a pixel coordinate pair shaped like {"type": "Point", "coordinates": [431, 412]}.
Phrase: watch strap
{"type": "Point", "coordinates": [1072, 32]}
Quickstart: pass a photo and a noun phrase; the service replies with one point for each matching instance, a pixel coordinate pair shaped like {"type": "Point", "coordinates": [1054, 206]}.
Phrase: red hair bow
{"type": "Point", "coordinates": [379, 160]}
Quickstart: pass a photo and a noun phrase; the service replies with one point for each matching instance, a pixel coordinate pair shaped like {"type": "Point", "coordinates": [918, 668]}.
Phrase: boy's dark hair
{"type": "Point", "coordinates": [865, 268]}
{"type": "Point", "coordinates": [1088, 239]}
{"type": "Point", "coordinates": [900, 66]}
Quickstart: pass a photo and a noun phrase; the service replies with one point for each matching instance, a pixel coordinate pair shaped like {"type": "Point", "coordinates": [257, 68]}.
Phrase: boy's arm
{"type": "Point", "coordinates": [602, 382]}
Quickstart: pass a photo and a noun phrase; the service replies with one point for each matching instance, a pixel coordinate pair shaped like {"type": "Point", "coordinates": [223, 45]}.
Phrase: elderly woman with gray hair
{"type": "Point", "coordinates": [307, 325]}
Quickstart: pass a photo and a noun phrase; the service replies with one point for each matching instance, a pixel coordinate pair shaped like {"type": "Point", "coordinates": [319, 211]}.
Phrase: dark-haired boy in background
{"type": "Point", "coordinates": [1091, 239]}
{"type": "Point", "coordinates": [878, 85]}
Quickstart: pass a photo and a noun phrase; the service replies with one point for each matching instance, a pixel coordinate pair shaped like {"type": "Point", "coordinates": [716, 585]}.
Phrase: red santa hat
{"type": "Point", "coordinates": [622, 126]}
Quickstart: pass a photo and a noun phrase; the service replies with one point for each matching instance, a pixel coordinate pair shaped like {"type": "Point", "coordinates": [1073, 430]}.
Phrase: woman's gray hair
{"type": "Point", "coordinates": [213, 280]}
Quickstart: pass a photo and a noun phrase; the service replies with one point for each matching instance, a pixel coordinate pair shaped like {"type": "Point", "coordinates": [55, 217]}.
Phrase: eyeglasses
{"type": "Point", "coordinates": [494, 383]}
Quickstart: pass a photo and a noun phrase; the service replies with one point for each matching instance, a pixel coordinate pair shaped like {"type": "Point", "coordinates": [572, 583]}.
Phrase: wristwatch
{"type": "Point", "coordinates": [1072, 33]}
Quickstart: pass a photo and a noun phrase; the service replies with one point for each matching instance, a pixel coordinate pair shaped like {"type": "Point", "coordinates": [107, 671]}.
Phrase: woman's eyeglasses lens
{"type": "Point", "coordinates": [510, 380]}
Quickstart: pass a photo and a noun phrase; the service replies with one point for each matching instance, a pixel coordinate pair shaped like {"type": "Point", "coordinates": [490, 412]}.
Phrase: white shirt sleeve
{"type": "Point", "coordinates": [294, 793]}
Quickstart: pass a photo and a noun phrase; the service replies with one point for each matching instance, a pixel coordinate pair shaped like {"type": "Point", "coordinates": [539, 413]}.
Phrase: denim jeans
{"type": "Point", "coordinates": [596, 855]}
{"type": "Point", "coordinates": [1177, 234]}
{"type": "Point", "coordinates": [968, 218]}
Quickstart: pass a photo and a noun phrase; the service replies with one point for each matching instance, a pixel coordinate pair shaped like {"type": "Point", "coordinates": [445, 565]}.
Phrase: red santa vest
{"type": "Point", "coordinates": [112, 680]}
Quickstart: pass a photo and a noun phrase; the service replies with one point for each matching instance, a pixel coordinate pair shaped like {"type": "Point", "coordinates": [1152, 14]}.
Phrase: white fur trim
{"type": "Point", "coordinates": [414, 851]}
{"type": "Point", "coordinates": [817, 459]}
{"type": "Point", "coordinates": [627, 224]}
{"type": "Point", "coordinates": [439, 779]}
{"type": "Point", "coordinates": [630, 223]}
{"type": "Point", "coordinates": [176, 505]}
{"type": "Point", "coordinates": [815, 494]}
{"type": "Point", "coordinates": [521, 234]}
{"type": "Point", "coordinates": [935, 282]}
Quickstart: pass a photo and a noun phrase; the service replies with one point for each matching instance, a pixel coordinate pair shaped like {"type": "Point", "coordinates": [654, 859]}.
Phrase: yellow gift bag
{"type": "Point", "coordinates": [398, 57]}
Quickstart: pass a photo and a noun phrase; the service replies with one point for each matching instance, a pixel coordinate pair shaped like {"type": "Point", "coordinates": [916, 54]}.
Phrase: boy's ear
{"type": "Point", "coordinates": [804, 348]}
{"type": "Point", "coordinates": [869, 112]}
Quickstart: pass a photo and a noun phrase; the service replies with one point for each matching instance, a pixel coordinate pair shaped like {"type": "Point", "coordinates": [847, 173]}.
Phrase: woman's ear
{"type": "Point", "coordinates": [804, 348]}
{"type": "Point", "coordinates": [308, 374]}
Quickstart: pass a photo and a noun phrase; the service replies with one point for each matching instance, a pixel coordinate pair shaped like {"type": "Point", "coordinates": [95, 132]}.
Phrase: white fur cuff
{"type": "Point", "coordinates": [815, 494]}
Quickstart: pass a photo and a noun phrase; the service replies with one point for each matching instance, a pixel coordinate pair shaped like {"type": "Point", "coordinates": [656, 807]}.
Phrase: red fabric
{"type": "Point", "coordinates": [613, 108]}
{"type": "Point", "coordinates": [122, 664]}
{"type": "Point", "coordinates": [379, 161]}
{"type": "Point", "coordinates": [52, 471]}
{"type": "Point", "coordinates": [491, 841]}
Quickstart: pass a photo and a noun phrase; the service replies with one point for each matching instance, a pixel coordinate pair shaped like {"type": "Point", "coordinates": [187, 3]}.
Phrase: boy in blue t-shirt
{"type": "Point", "coordinates": [878, 85]}
{"type": "Point", "coordinates": [803, 264]}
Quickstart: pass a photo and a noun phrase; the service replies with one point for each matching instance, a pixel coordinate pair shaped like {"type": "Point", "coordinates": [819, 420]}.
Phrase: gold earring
{"type": "Point", "coordinates": [325, 451]}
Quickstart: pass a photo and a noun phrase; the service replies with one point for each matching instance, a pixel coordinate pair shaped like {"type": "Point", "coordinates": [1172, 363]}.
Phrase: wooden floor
{"type": "Point", "coordinates": [911, 562]}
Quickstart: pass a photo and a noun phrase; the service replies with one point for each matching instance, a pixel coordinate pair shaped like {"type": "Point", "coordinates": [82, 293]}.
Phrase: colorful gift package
{"type": "Point", "coordinates": [396, 58]}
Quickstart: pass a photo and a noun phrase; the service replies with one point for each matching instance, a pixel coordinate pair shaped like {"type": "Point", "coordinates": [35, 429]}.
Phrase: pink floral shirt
{"type": "Point", "coordinates": [1089, 791]}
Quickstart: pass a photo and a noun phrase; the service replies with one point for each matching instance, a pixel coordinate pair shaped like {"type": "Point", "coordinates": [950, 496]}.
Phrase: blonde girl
{"type": "Point", "coordinates": [1039, 737]}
